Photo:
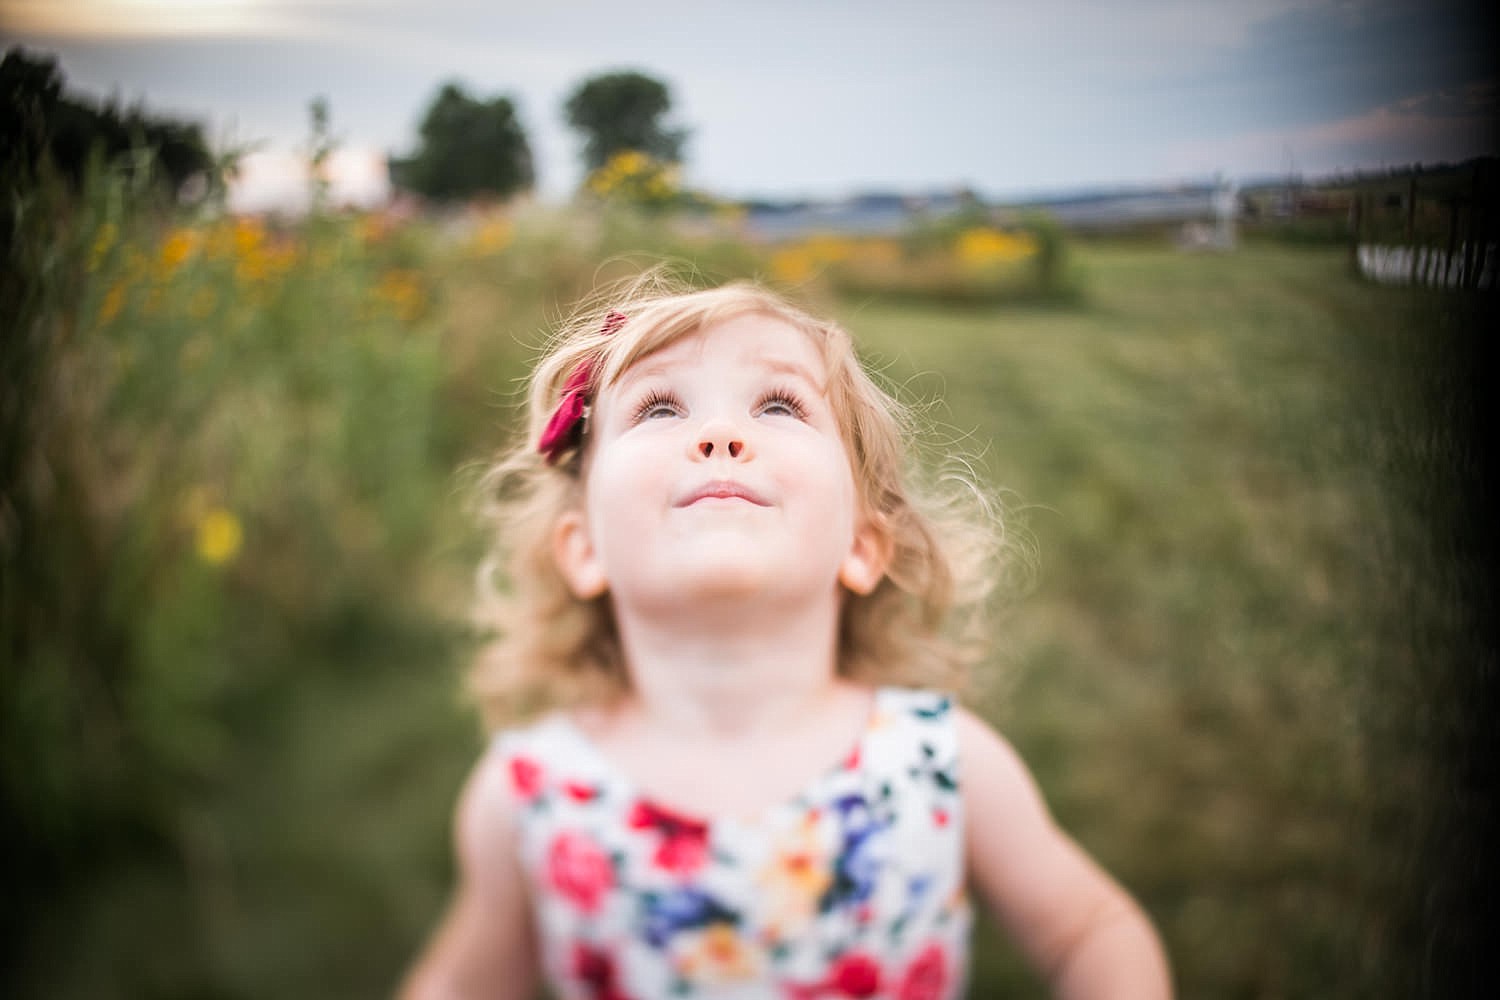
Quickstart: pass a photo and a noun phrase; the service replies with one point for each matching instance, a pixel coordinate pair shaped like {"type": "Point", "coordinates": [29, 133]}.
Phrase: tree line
{"type": "Point", "coordinates": [474, 147]}
{"type": "Point", "coordinates": [468, 146]}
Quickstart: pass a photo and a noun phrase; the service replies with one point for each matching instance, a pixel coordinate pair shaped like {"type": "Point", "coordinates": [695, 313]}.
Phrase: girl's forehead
{"type": "Point", "coordinates": [755, 340]}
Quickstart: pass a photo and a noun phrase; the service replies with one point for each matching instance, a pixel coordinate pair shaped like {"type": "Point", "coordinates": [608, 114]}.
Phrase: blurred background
{"type": "Point", "coordinates": [1203, 288]}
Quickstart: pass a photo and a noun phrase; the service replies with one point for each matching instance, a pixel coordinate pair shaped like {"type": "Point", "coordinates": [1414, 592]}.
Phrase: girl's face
{"type": "Point", "coordinates": [717, 470]}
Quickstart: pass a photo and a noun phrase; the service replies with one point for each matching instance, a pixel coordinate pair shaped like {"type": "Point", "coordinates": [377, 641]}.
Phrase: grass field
{"type": "Point", "coordinates": [1231, 661]}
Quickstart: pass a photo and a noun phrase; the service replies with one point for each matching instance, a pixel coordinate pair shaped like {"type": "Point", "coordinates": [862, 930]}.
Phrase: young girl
{"type": "Point", "coordinates": [723, 619]}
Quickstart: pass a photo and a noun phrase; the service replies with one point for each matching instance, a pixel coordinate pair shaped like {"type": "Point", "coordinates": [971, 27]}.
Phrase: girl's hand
{"type": "Point", "coordinates": [485, 946]}
{"type": "Point", "coordinates": [1078, 927]}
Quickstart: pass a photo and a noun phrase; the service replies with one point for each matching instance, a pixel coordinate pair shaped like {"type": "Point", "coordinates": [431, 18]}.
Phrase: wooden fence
{"type": "Point", "coordinates": [1432, 226]}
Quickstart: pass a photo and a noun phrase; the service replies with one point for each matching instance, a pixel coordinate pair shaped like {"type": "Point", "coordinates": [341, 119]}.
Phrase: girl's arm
{"type": "Point", "coordinates": [1078, 927]}
{"type": "Point", "coordinates": [485, 944]}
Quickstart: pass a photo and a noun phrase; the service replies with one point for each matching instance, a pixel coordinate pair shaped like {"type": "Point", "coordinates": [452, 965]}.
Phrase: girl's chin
{"type": "Point", "coordinates": [744, 580]}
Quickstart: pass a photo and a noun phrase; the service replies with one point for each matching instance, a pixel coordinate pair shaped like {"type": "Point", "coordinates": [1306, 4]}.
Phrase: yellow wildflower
{"type": "Point", "coordinates": [830, 249]}
{"type": "Point", "coordinates": [219, 536]}
{"type": "Point", "coordinates": [402, 290]}
{"type": "Point", "coordinates": [630, 161]}
{"type": "Point", "coordinates": [179, 246]}
{"type": "Point", "coordinates": [792, 265]}
{"type": "Point", "coordinates": [982, 246]}
{"type": "Point", "coordinates": [261, 261]}
{"type": "Point", "coordinates": [491, 237]}
{"type": "Point", "coordinates": [114, 301]}
{"type": "Point", "coordinates": [372, 228]}
{"type": "Point", "coordinates": [104, 241]}
{"type": "Point", "coordinates": [249, 234]}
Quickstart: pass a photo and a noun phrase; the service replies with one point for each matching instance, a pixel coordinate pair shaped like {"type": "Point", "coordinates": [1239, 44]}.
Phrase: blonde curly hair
{"type": "Point", "coordinates": [548, 649]}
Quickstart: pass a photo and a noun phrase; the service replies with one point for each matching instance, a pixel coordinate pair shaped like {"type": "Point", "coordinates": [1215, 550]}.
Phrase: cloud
{"type": "Point", "coordinates": [1439, 126]}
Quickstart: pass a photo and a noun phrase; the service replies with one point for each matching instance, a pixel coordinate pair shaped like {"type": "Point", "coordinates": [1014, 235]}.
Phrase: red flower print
{"type": "Point", "coordinates": [681, 855]}
{"type": "Point", "coordinates": [596, 969]}
{"type": "Point", "coordinates": [525, 777]}
{"type": "Point", "coordinates": [684, 842]}
{"type": "Point", "coordinates": [854, 975]}
{"type": "Point", "coordinates": [579, 870]}
{"type": "Point", "coordinates": [579, 792]}
{"type": "Point", "coordinates": [926, 977]}
{"type": "Point", "coordinates": [940, 817]}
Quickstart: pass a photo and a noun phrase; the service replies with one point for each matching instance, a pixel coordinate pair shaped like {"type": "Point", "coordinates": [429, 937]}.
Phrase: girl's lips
{"type": "Point", "coordinates": [723, 489]}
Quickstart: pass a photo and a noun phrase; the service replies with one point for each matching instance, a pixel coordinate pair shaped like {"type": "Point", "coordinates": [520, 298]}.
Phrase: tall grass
{"type": "Point", "coordinates": [233, 741]}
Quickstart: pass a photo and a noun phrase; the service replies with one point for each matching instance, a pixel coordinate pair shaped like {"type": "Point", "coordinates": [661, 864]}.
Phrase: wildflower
{"type": "Point", "coordinates": [179, 246]}
{"type": "Point", "coordinates": [104, 241]}
{"type": "Point", "coordinates": [792, 265]}
{"type": "Point", "coordinates": [981, 246]}
{"type": "Point", "coordinates": [219, 536]}
{"type": "Point", "coordinates": [114, 301]}
{"type": "Point", "coordinates": [492, 236]}
{"type": "Point", "coordinates": [248, 236]}
{"type": "Point", "coordinates": [636, 177]}
{"type": "Point", "coordinates": [372, 228]}
{"type": "Point", "coordinates": [402, 290]}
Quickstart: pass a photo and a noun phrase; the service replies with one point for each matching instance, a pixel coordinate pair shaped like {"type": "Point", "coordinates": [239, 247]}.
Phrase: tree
{"type": "Point", "coordinates": [39, 122]}
{"type": "Point", "coordinates": [623, 111]}
{"type": "Point", "coordinates": [469, 148]}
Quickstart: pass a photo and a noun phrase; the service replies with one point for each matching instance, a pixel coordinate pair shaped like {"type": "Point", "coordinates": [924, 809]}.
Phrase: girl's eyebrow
{"type": "Point", "coordinates": [638, 371]}
{"type": "Point", "coordinates": [785, 366]}
{"type": "Point", "coordinates": [776, 365]}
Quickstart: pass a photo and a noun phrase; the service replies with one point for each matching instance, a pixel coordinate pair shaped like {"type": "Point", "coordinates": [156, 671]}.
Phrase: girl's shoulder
{"type": "Point", "coordinates": [531, 751]}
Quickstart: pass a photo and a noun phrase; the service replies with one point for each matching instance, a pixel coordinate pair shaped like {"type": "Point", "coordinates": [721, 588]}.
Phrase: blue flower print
{"type": "Point", "coordinates": [857, 865]}
{"type": "Point", "coordinates": [667, 913]}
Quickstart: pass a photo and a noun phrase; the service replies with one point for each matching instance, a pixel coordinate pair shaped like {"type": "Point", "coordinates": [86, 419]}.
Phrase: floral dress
{"type": "Point", "coordinates": [852, 888]}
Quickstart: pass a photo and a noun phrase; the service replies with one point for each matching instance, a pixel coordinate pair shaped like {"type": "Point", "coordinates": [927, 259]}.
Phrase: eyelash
{"type": "Point", "coordinates": [654, 399]}
{"type": "Point", "coordinates": [783, 398]}
{"type": "Point", "coordinates": [657, 398]}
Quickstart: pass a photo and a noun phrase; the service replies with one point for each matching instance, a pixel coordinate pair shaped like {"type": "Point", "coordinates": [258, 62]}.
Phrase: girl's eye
{"type": "Point", "coordinates": [658, 404]}
{"type": "Point", "coordinates": [781, 404]}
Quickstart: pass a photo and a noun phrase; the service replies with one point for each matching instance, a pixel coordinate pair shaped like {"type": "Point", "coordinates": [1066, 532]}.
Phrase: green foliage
{"type": "Point", "coordinates": [617, 112]}
{"type": "Point", "coordinates": [470, 148]}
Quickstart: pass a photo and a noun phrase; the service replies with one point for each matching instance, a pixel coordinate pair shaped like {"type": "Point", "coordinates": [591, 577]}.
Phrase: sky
{"type": "Point", "coordinates": [825, 98]}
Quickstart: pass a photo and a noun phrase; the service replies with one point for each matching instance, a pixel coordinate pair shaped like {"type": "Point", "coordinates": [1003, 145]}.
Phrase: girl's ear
{"type": "Point", "coordinates": [573, 551]}
{"type": "Point", "coordinates": [869, 557]}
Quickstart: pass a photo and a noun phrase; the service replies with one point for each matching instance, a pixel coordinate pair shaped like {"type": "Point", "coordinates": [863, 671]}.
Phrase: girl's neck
{"type": "Point", "coordinates": [730, 676]}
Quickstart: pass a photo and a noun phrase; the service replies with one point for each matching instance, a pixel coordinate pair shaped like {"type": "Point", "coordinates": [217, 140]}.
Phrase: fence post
{"type": "Point", "coordinates": [1356, 220]}
{"type": "Point", "coordinates": [1411, 221]}
{"type": "Point", "coordinates": [1471, 273]}
{"type": "Point", "coordinates": [1448, 275]}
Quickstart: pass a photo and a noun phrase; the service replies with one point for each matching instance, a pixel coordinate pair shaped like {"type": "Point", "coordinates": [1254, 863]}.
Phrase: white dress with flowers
{"type": "Point", "coordinates": [853, 888]}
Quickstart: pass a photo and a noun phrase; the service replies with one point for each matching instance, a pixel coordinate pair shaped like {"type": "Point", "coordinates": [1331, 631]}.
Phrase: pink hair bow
{"type": "Point", "coordinates": [566, 426]}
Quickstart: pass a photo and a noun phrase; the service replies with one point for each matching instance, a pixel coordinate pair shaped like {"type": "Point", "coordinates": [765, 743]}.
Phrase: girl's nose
{"type": "Point", "coordinates": [719, 438]}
